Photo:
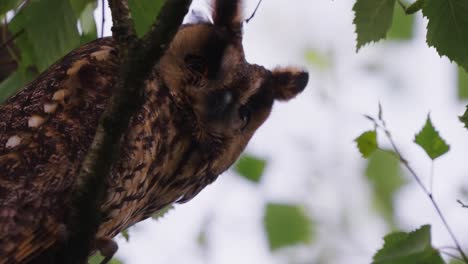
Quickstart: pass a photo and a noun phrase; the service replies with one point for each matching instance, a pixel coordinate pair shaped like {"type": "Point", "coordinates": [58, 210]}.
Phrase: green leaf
{"type": "Point", "coordinates": [408, 248]}
{"type": "Point", "coordinates": [287, 225]}
{"type": "Point", "coordinates": [202, 239]}
{"type": "Point", "coordinates": [402, 26]}
{"type": "Point", "coordinates": [88, 25]}
{"type": "Point", "coordinates": [373, 19]}
{"type": "Point", "coordinates": [161, 213]}
{"type": "Point", "coordinates": [15, 81]}
{"type": "Point", "coordinates": [79, 5]}
{"type": "Point", "coordinates": [7, 5]}
{"type": "Point", "coordinates": [429, 139]}
{"type": "Point", "coordinates": [386, 178]}
{"type": "Point", "coordinates": [317, 59]}
{"type": "Point", "coordinates": [144, 13]}
{"type": "Point", "coordinates": [50, 32]}
{"type": "Point", "coordinates": [462, 83]}
{"type": "Point", "coordinates": [415, 7]}
{"type": "Point", "coordinates": [447, 29]}
{"type": "Point", "coordinates": [84, 12]}
{"type": "Point", "coordinates": [250, 167]}
{"type": "Point", "coordinates": [367, 143]}
{"type": "Point", "coordinates": [464, 118]}
{"type": "Point", "coordinates": [125, 234]}
{"type": "Point", "coordinates": [97, 258]}
{"type": "Point", "coordinates": [23, 43]}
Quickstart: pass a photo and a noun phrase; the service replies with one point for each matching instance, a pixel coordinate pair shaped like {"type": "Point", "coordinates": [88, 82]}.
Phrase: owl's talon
{"type": "Point", "coordinates": [107, 247]}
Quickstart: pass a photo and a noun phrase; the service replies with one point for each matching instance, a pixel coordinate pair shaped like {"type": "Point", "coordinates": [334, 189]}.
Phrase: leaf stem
{"type": "Point", "coordinates": [451, 255]}
{"type": "Point", "coordinates": [254, 12]}
{"type": "Point", "coordinates": [425, 190]}
{"type": "Point", "coordinates": [103, 14]}
{"type": "Point", "coordinates": [413, 8]}
{"type": "Point", "coordinates": [431, 179]}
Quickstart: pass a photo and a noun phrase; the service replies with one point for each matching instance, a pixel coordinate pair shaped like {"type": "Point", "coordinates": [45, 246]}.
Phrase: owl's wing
{"type": "Point", "coordinates": [45, 132]}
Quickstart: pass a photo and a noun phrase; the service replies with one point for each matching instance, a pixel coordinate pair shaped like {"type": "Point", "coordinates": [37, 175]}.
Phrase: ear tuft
{"type": "Point", "coordinates": [288, 82]}
{"type": "Point", "coordinates": [227, 13]}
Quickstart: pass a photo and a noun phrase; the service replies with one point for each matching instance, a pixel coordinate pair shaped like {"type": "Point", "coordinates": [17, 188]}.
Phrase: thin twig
{"type": "Point", "coordinates": [462, 204]}
{"type": "Point", "coordinates": [7, 42]}
{"type": "Point", "coordinates": [254, 12]}
{"type": "Point", "coordinates": [425, 190]}
{"type": "Point", "coordinates": [103, 20]}
{"type": "Point", "coordinates": [448, 247]}
{"type": "Point", "coordinates": [451, 255]}
{"type": "Point", "coordinates": [405, 162]}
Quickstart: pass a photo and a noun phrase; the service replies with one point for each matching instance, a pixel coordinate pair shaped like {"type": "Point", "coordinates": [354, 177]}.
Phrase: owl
{"type": "Point", "coordinates": [202, 103]}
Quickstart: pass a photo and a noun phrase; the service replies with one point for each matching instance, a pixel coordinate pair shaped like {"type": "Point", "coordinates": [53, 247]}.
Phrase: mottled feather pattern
{"type": "Point", "coordinates": [52, 122]}
{"type": "Point", "coordinates": [202, 104]}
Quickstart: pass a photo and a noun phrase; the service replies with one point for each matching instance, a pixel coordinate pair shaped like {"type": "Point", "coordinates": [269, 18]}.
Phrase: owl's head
{"type": "Point", "coordinates": [206, 71]}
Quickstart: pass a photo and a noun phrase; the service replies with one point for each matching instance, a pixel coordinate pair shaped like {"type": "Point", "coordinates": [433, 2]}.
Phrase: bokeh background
{"type": "Point", "coordinates": [312, 162]}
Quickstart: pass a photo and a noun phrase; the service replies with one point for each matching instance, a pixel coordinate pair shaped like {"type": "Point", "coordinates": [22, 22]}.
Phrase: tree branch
{"type": "Point", "coordinates": [138, 57]}
{"type": "Point", "coordinates": [427, 192]}
{"type": "Point", "coordinates": [123, 27]}
{"type": "Point", "coordinates": [155, 42]}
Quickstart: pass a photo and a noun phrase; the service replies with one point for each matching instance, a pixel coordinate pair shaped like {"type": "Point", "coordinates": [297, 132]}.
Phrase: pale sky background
{"type": "Point", "coordinates": [312, 159]}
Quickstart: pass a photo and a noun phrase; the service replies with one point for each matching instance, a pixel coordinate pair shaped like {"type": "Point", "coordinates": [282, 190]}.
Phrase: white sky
{"type": "Point", "coordinates": [309, 144]}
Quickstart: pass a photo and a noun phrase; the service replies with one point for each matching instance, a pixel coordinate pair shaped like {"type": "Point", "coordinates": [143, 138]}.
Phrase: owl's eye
{"type": "Point", "coordinates": [196, 64]}
{"type": "Point", "coordinates": [226, 98]}
{"type": "Point", "coordinates": [244, 115]}
{"type": "Point", "coordinates": [221, 101]}
{"type": "Point", "coordinates": [220, 104]}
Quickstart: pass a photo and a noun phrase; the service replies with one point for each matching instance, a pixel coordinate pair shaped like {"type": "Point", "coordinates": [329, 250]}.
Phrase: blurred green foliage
{"type": "Point", "coordinates": [367, 143]}
{"type": "Point", "coordinates": [385, 177]}
{"type": "Point", "coordinates": [403, 25]}
{"type": "Point", "coordinates": [408, 248]}
{"type": "Point", "coordinates": [143, 13]}
{"type": "Point", "coordinates": [462, 77]}
{"type": "Point", "coordinates": [97, 258]}
{"type": "Point", "coordinates": [7, 5]}
{"type": "Point", "coordinates": [161, 213]}
{"type": "Point", "coordinates": [16, 81]}
{"type": "Point", "coordinates": [46, 37]}
{"type": "Point", "coordinates": [318, 60]}
{"type": "Point", "coordinates": [287, 225]}
{"type": "Point", "coordinates": [125, 234]}
{"type": "Point", "coordinates": [250, 167]}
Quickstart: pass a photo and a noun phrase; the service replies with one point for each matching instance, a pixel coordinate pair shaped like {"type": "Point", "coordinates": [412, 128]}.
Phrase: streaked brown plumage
{"type": "Point", "coordinates": [202, 104]}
